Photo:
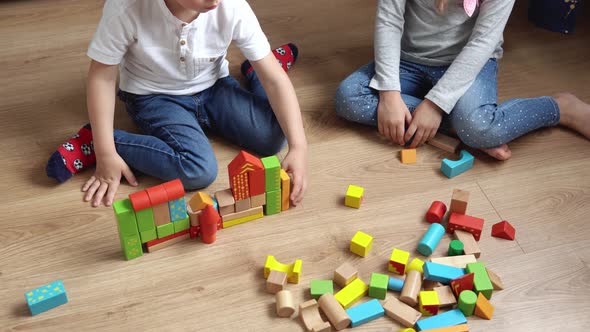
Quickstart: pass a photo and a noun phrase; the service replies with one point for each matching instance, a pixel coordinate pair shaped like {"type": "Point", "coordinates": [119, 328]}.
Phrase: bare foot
{"type": "Point", "coordinates": [574, 113]}
{"type": "Point", "coordinates": [501, 152]}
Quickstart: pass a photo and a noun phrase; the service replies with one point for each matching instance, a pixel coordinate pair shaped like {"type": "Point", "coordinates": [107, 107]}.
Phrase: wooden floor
{"type": "Point", "coordinates": [48, 233]}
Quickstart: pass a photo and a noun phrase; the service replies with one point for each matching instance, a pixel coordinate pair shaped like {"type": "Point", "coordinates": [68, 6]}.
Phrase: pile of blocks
{"type": "Point", "coordinates": [159, 216]}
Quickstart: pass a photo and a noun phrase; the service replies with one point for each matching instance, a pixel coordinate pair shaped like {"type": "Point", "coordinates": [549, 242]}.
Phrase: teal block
{"type": "Point", "coordinates": [126, 222]}
{"type": "Point", "coordinates": [378, 285]}
{"type": "Point", "coordinates": [46, 297]}
{"type": "Point", "coordinates": [452, 168]}
{"type": "Point", "coordinates": [273, 203]}
{"type": "Point", "coordinates": [481, 280]}
{"type": "Point", "coordinates": [181, 225]}
{"type": "Point", "coordinates": [131, 246]}
{"type": "Point", "coordinates": [177, 209]}
{"type": "Point", "coordinates": [449, 318]}
{"type": "Point", "coordinates": [165, 230]}
{"type": "Point", "coordinates": [272, 173]}
{"type": "Point", "coordinates": [365, 312]}
{"type": "Point", "coordinates": [395, 284]}
{"type": "Point", "coordinates": [441, 273]}
{"type": "Point", "coordinates": [430, 239]}
{"type": "Point", "coordinates": [148, 235]}
{"type": "Point", "coordinates": [320, 287]}
{"type": "Point", "coordinates": [215, 203]}
{"type": "Point", "coordinates": [145, 220]}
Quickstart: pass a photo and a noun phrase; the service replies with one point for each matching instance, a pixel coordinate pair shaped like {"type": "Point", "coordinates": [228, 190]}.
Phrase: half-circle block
{"type": "Point", "coordinates": [452, 168]}
{"type": "Point", "coordinates": [310, 315]}
{"type": "Point", "coordinates": [293, 271]}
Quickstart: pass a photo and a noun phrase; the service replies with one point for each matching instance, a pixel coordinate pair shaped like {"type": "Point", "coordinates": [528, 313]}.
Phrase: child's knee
{"type": "Point", "coordinates": [475, 132]}
{"type": "Point", "coordinates": [198, 174]}
{"type": "Point", "coordinates": [271, 145]}
{"type": "Point", "coordinates": [345, 94]}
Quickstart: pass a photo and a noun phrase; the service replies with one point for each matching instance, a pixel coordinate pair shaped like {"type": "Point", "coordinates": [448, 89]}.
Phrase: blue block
{"type": "Point", "coordinates": [177, 209]}
{"type": "Point", "coordinates": [365, 312]}
{"type": "Point", "coordinates": [215, 204]}
{"type": "Point", "coordinates": [395, 284]}
{"type": "Point", "coordinates": [452, 168]}
{"type": "Point", "coordinates": [431, 238]}
{"type": "Point", "coordinates": [449, 318]}
{"type": "Point", "coordinates": [46, 297]}
{"type": "Point", "coordinates": [441, 273]}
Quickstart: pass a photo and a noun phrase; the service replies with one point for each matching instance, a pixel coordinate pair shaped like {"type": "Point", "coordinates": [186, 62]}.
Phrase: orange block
{"type": "Point", "coordinates": [408, 156]}
{"type": "Point", "coordinates": [285, 190]}
{"type": "Point", "coordinates": [456, 328]}
{"type": "Point", "coordinates": [199, 201]}
{"type": "Point", "coordinates": [483, 308]}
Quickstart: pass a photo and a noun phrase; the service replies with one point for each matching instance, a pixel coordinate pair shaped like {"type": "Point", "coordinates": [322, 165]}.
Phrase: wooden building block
{"type": "Point", "coordinates": [272, 173]}
{"type": "Point", "coordinates": [398, 261]}
{"type": "Point", "coordinates": [345, 274]}
{"type": "Point", "coordinates": [441, 273]}
{"type": "Point", "coordinates": [495, 279]}
{"type": "Point", "coordinates": [284, 303]}
{"type": "Point", "coordinates": [353, 292]}
{"type": "Point", "coordinates": [242, 205]}
{"type": "Point", "coordinates": [504, 230]}
{"type": "Point", "coordinates": [431, 239]}
{"type": "Point", "coordinates": [466, 302]}
{"type": "Point", "coordinates": [445, 296]}
{"type": "Point", "coordinates": [285, 190]}
{"type": "Point", "coordinates": [428, 303]}
{"type": "Point", "coordinates": [199, 201]}
{"type": "Point", "coordinates": [459, 201]}
{"type": "Point", "coordinates": [273, 202]}
{"type": "Point", "coordinates": [276, 281]}
{"type": "Point", "coordinates": [452, 168]}
{"type": "Point", "coordinates": [483, 308]}
{"type": "Point", "coordinates": [467, 223]}
{"type": "Point", "coordinates": [161, 214]}
{"type": "Point", "coordinates": [320, 287]}
{"type": "Point", "coordinates": [361, 243]}
{"type": "Point", "coordinates": [181, 225]}
{"type": "Point", "coordinates": [378, 285]}
{"type": "Point", "coordinates": [126, 217]}
{"type": "Point", "coordinates": [209, 224]}
{"type": "Point", "coordinates": [430, 284]}
{"type": "Point", "coordinates": [395, 284]}
{"type": "Point", "coordinates": [455, 248]}
{"type": "Point", "coordinates": [310, 315]}
{"type": "Point", "coordinates": [416, 264]}
{"type": "Point", "coordinates": [481, 280]}
{"type": "Point", "coordinates": [462, 283]}
{"type": "Point", "coordinates": [258, 200]}
{"type": "Point", "coordinates": [242, 214]}
{"type": "Point", "coordinates": [449, 318]}
{"type": "Point", "coordinates": [293, 270]}
{"type": "Point", "coordinates": [365, 312]}
{"type": "Point", "coordinates": [146, 236]}
{"type": "Point", "coordinates": [412, 286]}
{"type": "Point", "coordinates": [444, 142]}
{"type": "Point", "coordinates": [246, 176]}
{"type": "Point", "coordinates": [454, 328]}
{"type": "Point", "coordinates": [456, 261]}
{"type": "Point", "coordinates": [354, 196]}
{"type": "Point", "coordinates": [225, 202]}
{"type": "Point", "coordinates": [401, 312]}
{"type": "Point", "coordinates": [157, 195]}
{"type": "Point", "coordinates": [408, 156]}
{"type": "Point", "coordinates": [174, 189]}
{"type": "Point", "coordinates": [140, 200]}
{"type": "Point", "coordinates": [46, 297]}
{"type": "Point", "coordinates": [174, 238]}
{"type": "Point", "coordinates": [165, 230]}
{"type": "Point", "coordinates": [470, 246]}
{"type": "Point", "coordinates": [436, 212]}
{"type": "Point", "coordinates": [177, 209]}
{"type": "Point", "coordinates": [334, 311]}
{"type": "Point", "coordinates": [145, 219]}
{"type": "Point", "coordinates": [242, 220]}
{"type": "Point", "coordinates": [193, 216]}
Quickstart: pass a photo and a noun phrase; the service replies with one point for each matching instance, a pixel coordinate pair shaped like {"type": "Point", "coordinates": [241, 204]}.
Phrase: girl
{"type": "Point", "coordinates": [175, 82]}
{"type": "Point", "coordinates": [436, 59]}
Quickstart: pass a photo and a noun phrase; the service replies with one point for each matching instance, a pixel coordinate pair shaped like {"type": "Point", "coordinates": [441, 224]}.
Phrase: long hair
{"type": "Point", "coordinates": [441, 5]}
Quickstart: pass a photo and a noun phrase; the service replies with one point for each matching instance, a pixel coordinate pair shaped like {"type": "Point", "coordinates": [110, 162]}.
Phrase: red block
{"type": "Point", "coordinates": [257, 182]}
{"type": "Point", "coordinates": [244, 176]}
{"type": "Point", "coordinates": [174, 189]}
{"type": "Point", "coordinates": [436, 212]}
{"type": "Point", "coordinates": [194, 231]}
{"type": "Point", "coordinates": [503, 230]}
{"type": "Point", "coordinates": [164, 239]}
{"type": "Point", "coordinates": [462, 283]}
{"type": "Point", "coordinates": [157, 194]}
{"type": "Point", "coordinates": [466, 223]}
{"type": "Point", "coordinates": [208, 220]}
{"type": "Point", "coordinates": [140, 200]}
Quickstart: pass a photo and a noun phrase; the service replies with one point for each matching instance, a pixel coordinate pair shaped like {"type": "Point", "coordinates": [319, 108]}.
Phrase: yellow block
{"type": "Point", "coordinates": [399, 258]}
{"type": "Point", "coordinates": [361, 243]}
{"type": "Point", "coordinates": [285, 190]}
{"type": "Point", "coordinates": [242, 220]}
{"type": "Point", "coordinates": [293, 271]}
{"type": "Point", "coordinates": [416, 264]}
{"type": "Point", "coordinates": [199, 201]}
{"type": "Point", "coordinates": [353, 292]}
{"type": "Point", "coordinates": [456, 328]}
{"type": "Point", "coordinates": [407, 330]}
{"type": "Point", "coordinates": [408, 156]}
{"type": "Point", "coordinates": [354, 196]}
{"type": "Point", "coordinates": [428, 298]}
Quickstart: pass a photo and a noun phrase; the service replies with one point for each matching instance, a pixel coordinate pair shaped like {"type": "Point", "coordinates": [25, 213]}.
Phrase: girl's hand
{"type": "Point", "coordinates": [392, 116]}
{"type": "Point", "coordinates": [295, 163]}
{"type": "Point", "coordinates": [425, 123]}
{"type": "Point", "coordinates": [106, 180]}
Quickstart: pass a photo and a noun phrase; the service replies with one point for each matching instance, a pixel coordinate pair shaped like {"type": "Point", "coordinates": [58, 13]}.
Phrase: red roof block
{"type": "Point", "coordinates": [157, 195]}
{"type": "Point", "coordinates": [240, 169]}
{"type": "Point", "coordinates": [466, 223]}
{"type": "Point", "coordinates": [174, 189]}
{"type": "Point", "coordinates": [504, 230]}
{"type": "Point", "coordinates": [462, 283]}
{"type": "Point", "coordinates": [140, 200]}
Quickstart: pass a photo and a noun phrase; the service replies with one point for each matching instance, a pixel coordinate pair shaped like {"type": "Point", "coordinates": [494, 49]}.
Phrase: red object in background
{"type": "Point", "coordinates": [140, 200]}
{"type": "Point", "coordinates": [466, 223]}
{"type": "Point", "coordinates": [504, 230]}
{"type": "Point", "coordinates": [436, 212]}
{"type": "Point", "coordinates": [462, 283]}
{"type": "Point", "coordinates": [208, 221]}
{"type": "Point", "coordinates": [174, 189]}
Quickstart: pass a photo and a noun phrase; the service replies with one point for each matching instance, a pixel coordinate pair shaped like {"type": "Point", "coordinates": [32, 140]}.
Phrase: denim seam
{"type": "Point", "coordinates": [146, 147]}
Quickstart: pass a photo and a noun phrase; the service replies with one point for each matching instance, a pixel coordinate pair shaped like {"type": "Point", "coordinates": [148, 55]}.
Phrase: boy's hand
{"type": "Point", "coordinates": [295, 163]}
{"type": "Point", "coordinates": [425, 123]}
{"type": "Point", "coordinates": [106, 180]}
{"type": "Point", "coordinates": [392, 115]}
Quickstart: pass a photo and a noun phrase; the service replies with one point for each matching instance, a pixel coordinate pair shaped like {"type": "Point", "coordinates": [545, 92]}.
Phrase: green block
{"type": "Point", "coordinates": [165, 230]}
{"type": "Point", "coordinates": [455, 248]}
{"type": "Point", "coordinates": [148, 235]}
{"type": "Point", "coordinates": [320, 287]}
{"type": "Point", "coordinates": [466, 302]}
{"type": "Point", "coordinates": [273, 202]}
{"type": "Point", "coordinates": [272, 173]}
{"type": "Point", "coordinates": [378, 285]}
{"type": "Point", "coordinates": [145, 219]}
{"type": "Point", "coordinates": [181, 225]}
{"type": "Point", "coordinates": [481, 280]}
{"type": "Point", "coordinates": [131, 247]}
{"type": "Point", "coordinates": [126, 222]}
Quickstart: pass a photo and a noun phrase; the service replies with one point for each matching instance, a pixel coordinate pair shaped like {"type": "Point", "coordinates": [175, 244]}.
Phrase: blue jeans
{"type": "Point", "coordinates": [174, 144]}
{"type": "Point", "coordinates": [477, 118]}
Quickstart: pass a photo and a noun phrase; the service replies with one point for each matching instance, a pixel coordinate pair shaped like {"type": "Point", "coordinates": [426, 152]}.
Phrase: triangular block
{"type": "Point", "coordinates": [503, 230]}
{"type": "Point", "coordinates": [462, 283]}
{"type": "Point", "coordinates": [483, 308]}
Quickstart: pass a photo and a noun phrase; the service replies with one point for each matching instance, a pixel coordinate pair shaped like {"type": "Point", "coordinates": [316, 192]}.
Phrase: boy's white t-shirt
{"type": "Point", "coordinates": [158, 53]}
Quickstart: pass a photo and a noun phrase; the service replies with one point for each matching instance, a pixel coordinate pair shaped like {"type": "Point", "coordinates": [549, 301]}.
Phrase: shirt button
{"type": "Point", "coordinates": [182, 42]}
{"type": "Point", "coordinates": [183, 25]}
{"type": "Point", "coordinates": [181, 59]}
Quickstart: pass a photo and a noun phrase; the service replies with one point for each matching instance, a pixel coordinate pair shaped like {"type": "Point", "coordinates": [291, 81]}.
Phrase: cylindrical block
{"type": "Point", "coordinates": [208, 221]}
{"type": "Point", "coordinates": [411, 288]}
{"type": "Point", "coordinates": [467, 301]}
{"type": "Point", "coordinates": [455, 248]}
{"type": "Point", "coordinates": [431, 239]}
{"type": "Point", "coordinates": [334, 311]}
{"type": "Point", "coordinates": [285, 305]}
{"type": "Point", "coordinates": [395, 284]}
{"type": "Point", "coordinates": [436, 212]}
